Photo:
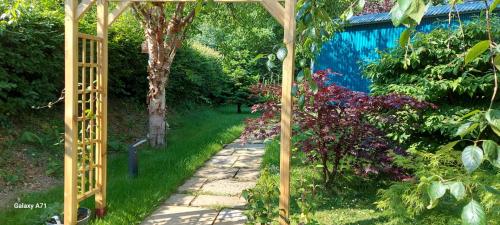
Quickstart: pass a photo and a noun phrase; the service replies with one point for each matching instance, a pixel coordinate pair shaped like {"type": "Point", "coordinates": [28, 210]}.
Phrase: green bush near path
{"type": "Point", "coordinates": [351, 201]}
{"type": "Point", "coordinates": [194, 138]}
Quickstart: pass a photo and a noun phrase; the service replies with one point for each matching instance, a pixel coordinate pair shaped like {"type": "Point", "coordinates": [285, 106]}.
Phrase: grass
{"type": "Point", "coordinates": [350, 202]}
{"type": "Point", "coordinates": [193, 138]}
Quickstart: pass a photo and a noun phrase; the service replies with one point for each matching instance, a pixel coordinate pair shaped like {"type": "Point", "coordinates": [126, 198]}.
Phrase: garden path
{"type": "Point", "coordinates": [213, 195]}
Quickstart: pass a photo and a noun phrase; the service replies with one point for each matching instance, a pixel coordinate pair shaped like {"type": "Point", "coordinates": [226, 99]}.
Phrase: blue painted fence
{"type": "Point", "coordinates": [366, 34]}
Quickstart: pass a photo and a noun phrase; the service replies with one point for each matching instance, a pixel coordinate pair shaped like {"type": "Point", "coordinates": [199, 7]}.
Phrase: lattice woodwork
{"type": "Point", "coordinates": [89, 114]}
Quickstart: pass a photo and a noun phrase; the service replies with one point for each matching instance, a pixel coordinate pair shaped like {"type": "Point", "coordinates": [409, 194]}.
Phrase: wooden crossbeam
{"type": "Point", "coordinates": [241, 1]}
{"type": "Point", "coordinates": [276, 10]}
{"type": "Point", "coordinates": [83, 7]}
{"type": "Point", "coordinates": [122, 6]}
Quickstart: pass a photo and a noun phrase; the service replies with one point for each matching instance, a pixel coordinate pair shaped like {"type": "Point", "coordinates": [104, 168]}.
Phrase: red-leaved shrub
{"type": "Point", "coordinates": [330, 125]}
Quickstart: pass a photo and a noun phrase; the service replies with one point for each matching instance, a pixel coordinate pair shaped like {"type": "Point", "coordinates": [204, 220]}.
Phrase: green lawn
{"type": "Point", "coordinates": [192, 139]}
{"type": "Point", "coordinates": [350, 202]}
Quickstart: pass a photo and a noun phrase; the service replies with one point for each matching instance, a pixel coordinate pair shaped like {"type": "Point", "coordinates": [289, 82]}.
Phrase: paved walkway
{"type": "Point", "coordinates": [213, 195]}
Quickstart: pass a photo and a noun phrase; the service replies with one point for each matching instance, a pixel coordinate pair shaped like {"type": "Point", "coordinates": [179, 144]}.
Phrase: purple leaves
{"type": "Point", "coordinates": [331, 125]}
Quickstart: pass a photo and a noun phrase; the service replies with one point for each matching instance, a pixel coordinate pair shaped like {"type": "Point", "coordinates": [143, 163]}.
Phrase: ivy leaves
{"type": "Point", "coordinates": [492, 152]}
{"type": "Point", "coordinates": [404, 38]}
{"type": "Point", "coordinates": [494, 5]}
{"type": "Point", "coordinates": [493, 118]}
{"type": "Point", "coordinates": [408, 12]}
{"type": "Point", "coordinates": [472, 157]}
{"type": "Point", "coordinates": [477, 50]}
{"type": "Point", "coordinates": [437, 189]}
{"type": "Point", "coordinates": [466, 128]}
{"type": "Point", "coordinates": [457, 189]}
{"type": "Point", "coordinates": [473, 214]}
{"type": "Point", "coordinates": [352, 9]}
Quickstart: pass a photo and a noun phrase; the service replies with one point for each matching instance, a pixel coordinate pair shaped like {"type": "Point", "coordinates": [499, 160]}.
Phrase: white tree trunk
{"type": "Point", "coordinates": [163, 39]}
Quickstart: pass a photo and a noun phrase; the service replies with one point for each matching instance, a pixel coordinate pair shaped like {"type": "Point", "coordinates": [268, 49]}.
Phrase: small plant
{"type": "Point", "coordinates": [262, 201]}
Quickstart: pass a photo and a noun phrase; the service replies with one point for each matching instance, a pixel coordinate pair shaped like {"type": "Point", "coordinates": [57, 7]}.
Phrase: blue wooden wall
{"type": "Point", "coordinates": [358, 44]}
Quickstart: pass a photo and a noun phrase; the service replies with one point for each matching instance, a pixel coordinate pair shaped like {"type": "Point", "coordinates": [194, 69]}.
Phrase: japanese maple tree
{"type": "Point", "coordinates": [332, 125]}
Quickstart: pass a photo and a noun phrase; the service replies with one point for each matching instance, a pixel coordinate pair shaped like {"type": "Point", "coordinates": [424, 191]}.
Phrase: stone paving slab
{"type": "Point", "coordinates": [248, 174]}
{"type": "Point", "coordinates": [180, 200]}
{"type": "Point", "coordinates": [216, 173]}
{"type": "Point", "coordinates": [249, 152]}
{"type": "Point", "coordinates": [226, 152]}
{"type": "Point", "coordinates": [213, 201]}
{"type": "Point", "coordinates": [230, 217]}
{"type": "Point", "coordinates": [227, 187]}
{"type": "Point", "coordinates": [178, 215]}
{"type": "Point", "coordinates": [192, 185]}
{"type": "Point", "coordinates": [218, 184]}
{"type": "Point", "coordinates": [222, 161]}
{"type": "Point", "coordinates": [247, 145]}
{"type": "Point", "coordinates": [248, 162]}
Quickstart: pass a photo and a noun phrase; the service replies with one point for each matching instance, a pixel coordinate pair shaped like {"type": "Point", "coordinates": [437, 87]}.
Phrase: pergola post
{"type": "Point", "coordinates": [70, 110]}
{"type": "Point", "coordinates": [286, 111]}
{"type": "Point", "coordinates": [102, 108]}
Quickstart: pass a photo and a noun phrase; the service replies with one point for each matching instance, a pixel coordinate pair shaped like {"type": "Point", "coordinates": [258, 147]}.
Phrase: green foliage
{"type": "Point", "coordinates": [464, 173]}
{"type": "Point", "coordinates": [262, 200]}
{"type": "Point", "coordinates": [476, 50]}
{"type": "Point", "coordinates": [31, 68]}
{"type": "Point", "coordinates": [349, 202]}
{"type": "Point", "coordinates": [208, 128]}
{"type": "Point", "coordinates": [241, 32]}
{"type": "Point", "coordinates": [435, 67]}
{"type": "Point", "coordinates": [409, 12]}
{"type": "Point", "coordinates": [196, 76]}
{"type": "Point", "coordinates": [32, 65]}
{"type": "Point", "coordinates": [473, 214]}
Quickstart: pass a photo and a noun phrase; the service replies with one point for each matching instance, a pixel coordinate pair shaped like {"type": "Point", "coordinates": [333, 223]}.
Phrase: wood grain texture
{"type": "Point", "coordinates": [70, 111]}
{"type": "Point", "coordinates": [102, 105]}
{"type": "Point", "coordinates": [286, 112]}
{"type": "Point", "coordinates": [120, 8]}
{"type": "Point", "coordinates": [275, 9]}
{"type": "Point", "coordinates": [83, 7]}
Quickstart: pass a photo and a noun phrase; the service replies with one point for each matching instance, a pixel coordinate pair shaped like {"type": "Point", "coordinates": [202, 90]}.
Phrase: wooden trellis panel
{"type": "Point", "coordinates": [89, 118]}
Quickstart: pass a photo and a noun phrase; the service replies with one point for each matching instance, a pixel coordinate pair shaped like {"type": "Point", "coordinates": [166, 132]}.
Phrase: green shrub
{"type": "Point", "coordinates": [196, 76]}
{"type": "Point", "coordinates": [32, 65]}
{"type": "Point", "coordinates": [436, 70]}
{"type": "Point", "coordinates": [433, 69]}
{"type": "Point", "coordinates": [31, 69]}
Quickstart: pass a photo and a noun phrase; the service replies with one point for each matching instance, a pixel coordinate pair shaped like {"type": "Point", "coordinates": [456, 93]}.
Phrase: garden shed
{"type": "Point", "coordinates": [348, 50]}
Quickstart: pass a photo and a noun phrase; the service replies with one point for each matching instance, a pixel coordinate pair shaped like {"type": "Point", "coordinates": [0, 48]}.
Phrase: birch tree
{"type": "Point", "coordinates": [165, 28]}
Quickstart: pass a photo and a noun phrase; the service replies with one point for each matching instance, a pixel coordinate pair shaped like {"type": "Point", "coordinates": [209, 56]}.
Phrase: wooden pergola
{"type": "Point", "coordinates": [86, 101]}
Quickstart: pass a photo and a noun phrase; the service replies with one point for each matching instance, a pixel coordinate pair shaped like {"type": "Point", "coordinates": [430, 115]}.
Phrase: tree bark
{"type": "Point", "coordinates": [163, 38]}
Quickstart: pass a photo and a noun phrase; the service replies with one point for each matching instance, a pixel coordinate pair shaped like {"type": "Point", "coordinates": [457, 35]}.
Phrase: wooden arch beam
{"type": "Point", "coordinates": [83, 7]}
{"type": "Point", "coordinates": [276, 10]}
{"type": "Point", "coordinates": [272, 6]}
{"type": "Point", "coordinates": [226, 1]}
{"type": "Point", "coordinates": [120, 8]}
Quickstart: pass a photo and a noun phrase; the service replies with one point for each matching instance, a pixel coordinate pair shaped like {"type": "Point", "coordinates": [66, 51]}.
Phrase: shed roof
{"type": "Point", "coordinates": [433, 11]}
